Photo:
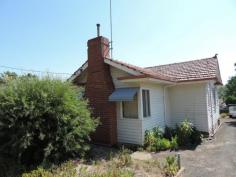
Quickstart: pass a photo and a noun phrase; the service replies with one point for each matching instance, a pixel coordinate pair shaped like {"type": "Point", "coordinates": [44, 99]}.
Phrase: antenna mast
{"type": "Point", "coordinates": [111, 48]}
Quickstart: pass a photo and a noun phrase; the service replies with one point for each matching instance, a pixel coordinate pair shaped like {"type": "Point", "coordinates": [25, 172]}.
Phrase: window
{"type": "Point", "coordinates": [130, 108]}
{"type": "Point", "coordinates": [146, 103]}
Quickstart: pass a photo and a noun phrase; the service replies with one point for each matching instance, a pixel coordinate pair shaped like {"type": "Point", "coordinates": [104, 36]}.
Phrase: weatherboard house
{"type": "Point", "coordinates": [130, 100]}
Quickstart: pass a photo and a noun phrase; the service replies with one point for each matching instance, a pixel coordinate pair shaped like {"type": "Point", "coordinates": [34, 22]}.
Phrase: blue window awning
{"type": "Point", "coordinates": [123, 94]}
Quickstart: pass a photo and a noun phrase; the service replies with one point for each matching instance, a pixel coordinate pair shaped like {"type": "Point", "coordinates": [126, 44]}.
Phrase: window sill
{"type": "Point", "coordinates": [128, 118]}
{"type": "Point", "coordinates": [147, 117]}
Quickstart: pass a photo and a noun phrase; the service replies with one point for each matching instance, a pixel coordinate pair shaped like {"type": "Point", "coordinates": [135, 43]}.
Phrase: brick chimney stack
{"type": "Point", "coordinates": [98, 88]}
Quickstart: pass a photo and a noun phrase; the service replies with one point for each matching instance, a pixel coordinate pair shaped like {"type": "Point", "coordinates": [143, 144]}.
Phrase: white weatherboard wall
{"type": "Point", "coordinates": [156, 107]}
{"type": "Point", "coordinates": [128, 130]}
{"type": "Point", "coordinates": [189, 101]}
{"type": "Point", "coordinates": [213, 106]}
{"type": "Point", "coordinates": [116, 73]}
{"type": "Point", "coordinates": [167, 105]}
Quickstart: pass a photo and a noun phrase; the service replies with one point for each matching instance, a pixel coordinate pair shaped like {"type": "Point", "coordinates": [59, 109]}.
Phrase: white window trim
{"type": "Point", "coordinates": [121, 109]}
{"type": "Point", "coordinates": [150, 116]}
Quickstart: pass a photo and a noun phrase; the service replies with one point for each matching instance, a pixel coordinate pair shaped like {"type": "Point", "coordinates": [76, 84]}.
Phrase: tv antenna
{"type": "Point", "coordinates": [111, 48]}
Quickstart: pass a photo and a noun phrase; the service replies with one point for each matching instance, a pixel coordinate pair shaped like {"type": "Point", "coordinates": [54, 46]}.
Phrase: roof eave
{"type": "Point", "coordinates": [78, 71]}
{"type": "Point", "coordinates": [217, 82]}
{"type": "Point", "coordinates": [143, 78]}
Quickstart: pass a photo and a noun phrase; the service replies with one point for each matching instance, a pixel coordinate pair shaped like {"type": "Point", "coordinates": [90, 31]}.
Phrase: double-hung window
{"type": "Point", "coordinates": [146, 103]}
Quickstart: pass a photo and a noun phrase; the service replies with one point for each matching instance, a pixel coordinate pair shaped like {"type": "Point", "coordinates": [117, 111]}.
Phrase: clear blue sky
{"type": "Point", "coordinates": [51, 35]}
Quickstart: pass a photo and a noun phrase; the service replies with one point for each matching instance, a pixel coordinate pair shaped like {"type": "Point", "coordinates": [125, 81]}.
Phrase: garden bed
{"type": "Point", "coordinates": [110, 162]}
{"type": "Point", "coordinates": [184, 136]}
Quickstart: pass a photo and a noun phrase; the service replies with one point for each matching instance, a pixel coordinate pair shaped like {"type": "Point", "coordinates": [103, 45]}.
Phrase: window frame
{"type": "Point", "coordinates": [146, 103]}
{"type": "Point", "coordinates": [122, 110]}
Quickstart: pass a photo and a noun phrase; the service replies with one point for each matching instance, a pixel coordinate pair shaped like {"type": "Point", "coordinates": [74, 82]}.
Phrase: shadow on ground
{"type": "Point", "coordinates": [232, 124]}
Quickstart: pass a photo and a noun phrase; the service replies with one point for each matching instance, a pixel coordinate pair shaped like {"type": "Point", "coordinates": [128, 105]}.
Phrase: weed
{"type": "Point", "coordinates": [170, 167]}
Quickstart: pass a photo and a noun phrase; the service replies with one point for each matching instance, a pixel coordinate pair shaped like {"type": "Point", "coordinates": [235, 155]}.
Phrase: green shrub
{"type": "Point", "coordinates": [184, 131]}
{"type": "Point", "coordinates": [163, 144]}
{"type": "Point", "coordinates": [196, 136]}
{"type": "Point", "coordinates": [152, 135]}
{"type": "Point", "coordinates": [154, 140]}
{"type": "Point", "coordinates": [174, 143]}
{"type": "Point", "coordinates": [43, 120]}
{"type": "Point", "coordinates": [150, 138]}
{"type": "Point", "coordinates": [184, 135]}
{"type": "Point", "coordinates": [158, 132]}
{"type": "Point", "coordinates": [188, 134]}
{"type": "Point", "coordinates": [169, 132]}
{"type": "Point", "coordinates": [170, 167]}
{"type": "Point", "coordinates": [9, 167]}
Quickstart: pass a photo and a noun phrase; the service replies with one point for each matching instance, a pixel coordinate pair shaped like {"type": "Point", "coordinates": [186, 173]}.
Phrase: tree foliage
{"type": "Point", "coordinates": [7, 76]}
{"type": "Point", "coordinates": [43, 120]}
{"type": "Point", "coordinates": [228, 92]}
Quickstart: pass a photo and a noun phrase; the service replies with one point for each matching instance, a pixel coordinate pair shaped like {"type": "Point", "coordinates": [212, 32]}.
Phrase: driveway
{"type": "Point", "coordinates": [216, 158]}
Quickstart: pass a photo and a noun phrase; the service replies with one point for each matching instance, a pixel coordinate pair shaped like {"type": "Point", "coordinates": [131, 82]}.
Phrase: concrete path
{"type": "Point", "coordinates": [216, 158]}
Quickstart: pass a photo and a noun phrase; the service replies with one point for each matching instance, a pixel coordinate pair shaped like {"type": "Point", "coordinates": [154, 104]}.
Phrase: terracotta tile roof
{"type": "Point", "coordinates": [194, 70]}
{"type": "Point", "coordinates": [202, 69]}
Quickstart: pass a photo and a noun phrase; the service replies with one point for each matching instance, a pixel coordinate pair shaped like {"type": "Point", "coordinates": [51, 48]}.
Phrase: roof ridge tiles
{"type": "Point", "coordinates": [182, 62]}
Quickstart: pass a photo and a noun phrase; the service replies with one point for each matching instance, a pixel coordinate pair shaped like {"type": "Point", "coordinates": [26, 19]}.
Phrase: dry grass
{"type": "Point", "coordinates": [224, 115]}
{"type": "Point", "coordinates": [110, 164]}
{"type": "Point", "coordinates": [121, 164]}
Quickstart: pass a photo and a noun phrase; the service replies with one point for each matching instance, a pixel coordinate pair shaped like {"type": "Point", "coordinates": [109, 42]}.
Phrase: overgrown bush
{"type": "Point", "coordinates": [169, 132]}
{"type": "Point", "coordinates": [150, 138]}
{"type": "Point", "coordinates": [185, 134]}
{"type": "Point", "coordinates": [158, 132]}
{"type": "Point", "coordinates": [174, 143]}
{"type": "Point", "coordinates": [154, 140]}
{"type": "Point", "coordinates": [184, 131]}
{"type": "Point", "coordinates": [43, 120]}
{"type": "Point", "coordinates": [188, 134]}
{"type": "Point", "coordinates": [9, 167]}
{"type": "Point", "coordinates": [196, 136]}
{"type": "Point", "coordinates": [163, 144]}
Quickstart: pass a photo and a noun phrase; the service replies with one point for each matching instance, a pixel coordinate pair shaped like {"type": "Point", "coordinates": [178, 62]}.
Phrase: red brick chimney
{"type": "Point", "coordinates": [98, 88]}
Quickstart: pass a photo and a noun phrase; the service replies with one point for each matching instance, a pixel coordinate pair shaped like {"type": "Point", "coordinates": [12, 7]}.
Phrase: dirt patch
{"type": "Point", "coordinates": [113, 162]}
{"type": "Point", "coordinates": [141, 156]}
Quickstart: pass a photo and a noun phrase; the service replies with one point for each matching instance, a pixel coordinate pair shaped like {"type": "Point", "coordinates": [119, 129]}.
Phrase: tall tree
{"type": "Point", "coordinates": [230, 91]}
